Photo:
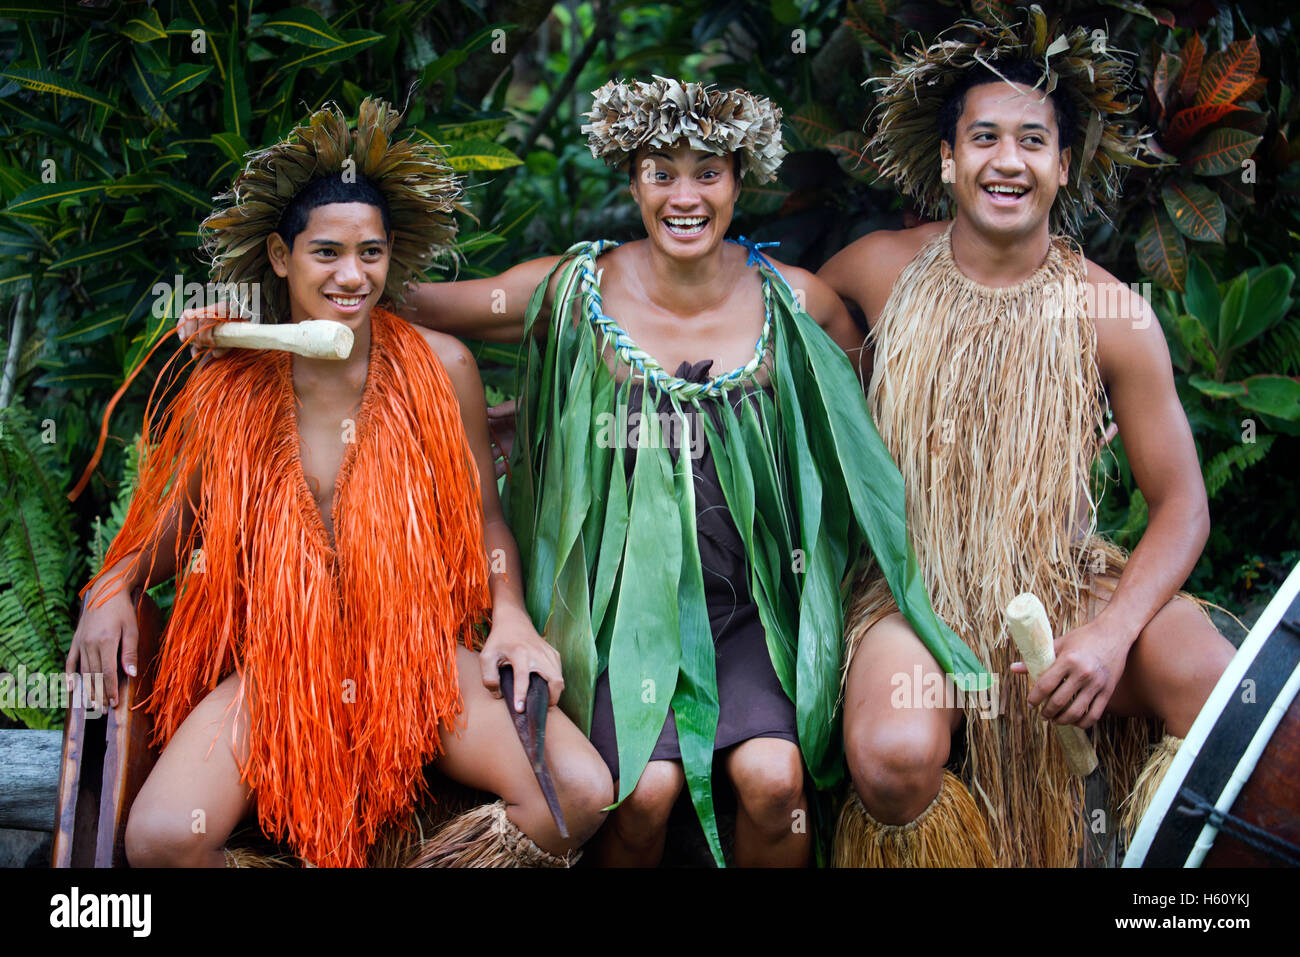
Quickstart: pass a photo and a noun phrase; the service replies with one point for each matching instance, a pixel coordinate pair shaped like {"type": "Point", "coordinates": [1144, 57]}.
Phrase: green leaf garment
{"type": "Point", "coordinates": [612, 567]}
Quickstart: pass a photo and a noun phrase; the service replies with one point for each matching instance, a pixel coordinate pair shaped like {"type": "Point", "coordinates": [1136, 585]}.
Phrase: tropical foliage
{"type": "Point", "coordinates": [120, 121]}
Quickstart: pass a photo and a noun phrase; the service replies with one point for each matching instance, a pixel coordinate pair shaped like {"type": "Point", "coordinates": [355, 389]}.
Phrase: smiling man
{"type": "Point", "coordinates": [991, 385]}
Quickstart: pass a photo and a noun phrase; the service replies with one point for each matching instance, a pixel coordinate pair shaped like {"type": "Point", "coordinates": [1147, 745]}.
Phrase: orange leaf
{"type": "Point", "coordinates": [1161, 251]}
{"type": "Point", "coordinates": [1187, 123]}
{"type": "Point", "coordinates": [1228, 74]}
{"type": "Point", "coordinates": [1254, 91]}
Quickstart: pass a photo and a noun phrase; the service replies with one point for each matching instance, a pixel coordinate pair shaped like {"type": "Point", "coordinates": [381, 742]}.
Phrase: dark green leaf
{"type": "Point", "coordinates": [1196, 211]}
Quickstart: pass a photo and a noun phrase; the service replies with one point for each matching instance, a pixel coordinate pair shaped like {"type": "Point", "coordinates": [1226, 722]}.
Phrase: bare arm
{"type": "Point", "coordinates": [821, 302]}
{"type": "Point", "coordinates": [863, 274]}
{"type": "Point", "coordinates": [1134, 363]}
{"type": "Point", "coordinates": [513, 638]}
{"type": "Point", "coordinates": [1134, 360]}
{"type": "Point", "coordinates": [108, 619]}
{"type": "Point", "coordinates": [491, 309]}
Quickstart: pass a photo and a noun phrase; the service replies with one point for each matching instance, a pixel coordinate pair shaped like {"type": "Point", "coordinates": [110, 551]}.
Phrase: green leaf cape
{"type": "Point", "coordinates": [806, 478]}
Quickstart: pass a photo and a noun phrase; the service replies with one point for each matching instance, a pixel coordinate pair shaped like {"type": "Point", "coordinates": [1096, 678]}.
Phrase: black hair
{"type": "Point", "coordinates": [1026, 72]}
{"type": "Point", "coordinates": [631, 167]}
{"type": "Point", "coordinates": [323, 191]}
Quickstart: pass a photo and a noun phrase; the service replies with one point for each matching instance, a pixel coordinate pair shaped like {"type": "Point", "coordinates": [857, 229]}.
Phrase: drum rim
{"type": "Point", "coordinates": [1265, 628]}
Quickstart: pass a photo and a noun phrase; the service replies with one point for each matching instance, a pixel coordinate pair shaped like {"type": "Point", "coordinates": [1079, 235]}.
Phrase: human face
{"type": "Point", "coordinates": [686, 198]}
{"type": "Point", "coordinates": [338, 265]}
{"type": "Point", "coordinates": [1005, 165]}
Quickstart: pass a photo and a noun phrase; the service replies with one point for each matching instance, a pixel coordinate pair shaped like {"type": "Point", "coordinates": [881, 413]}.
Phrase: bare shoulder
{"type": "Point", "coordinates": [865, 270]}
{"type": "Point", "coordinates": [451, 352]}
{"type": "Point", "coordinates": [1128, 332]}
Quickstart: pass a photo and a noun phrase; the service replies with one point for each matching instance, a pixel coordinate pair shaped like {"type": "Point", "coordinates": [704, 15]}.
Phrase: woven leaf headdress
{"type": "Point", "coordinates": [625, 116]}
{"type": "Point", "coordinates": [906, 138]}
{"type": "Point", "coordinates": [420, 188]}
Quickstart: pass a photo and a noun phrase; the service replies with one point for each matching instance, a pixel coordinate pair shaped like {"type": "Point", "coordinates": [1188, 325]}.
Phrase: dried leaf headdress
{"type": "Point", "coordinates": [906, 140]}
{"type": "Point", "coordinates": [420, 188]}
{"type": "Point", "coordinates": [625, 116]}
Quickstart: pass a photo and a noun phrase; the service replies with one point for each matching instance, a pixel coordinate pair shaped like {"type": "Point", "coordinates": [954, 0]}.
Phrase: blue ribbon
{"type": "Point", "coordinates": [755, 257]}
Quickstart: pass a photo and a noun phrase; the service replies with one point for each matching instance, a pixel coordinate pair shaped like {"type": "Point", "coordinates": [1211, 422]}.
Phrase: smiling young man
{"type": "Point", "coordinates": [998, 349]}
{"type": "Point", "coordinates": [319, 652]}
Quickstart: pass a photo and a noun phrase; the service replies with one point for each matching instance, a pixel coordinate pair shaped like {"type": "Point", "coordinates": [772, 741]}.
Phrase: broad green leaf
{"type": "Point", "coordinates": [146, 27]}
{"type": "Point", "coordinates": [1216, 390]}
{"type": "Point", "coordinates": [695, 700]}
{"type": "Point", "coordinates": [850, 151]}
{"type": "Point", "coordinates": [485, 128]}
{"type": "Point", "coordinates": [1230, 312]}
{"type": "Point", "coordinates": [47, 81]}
{"type": "Point", "coordinates": [44, 194]}
{"type": "Point", "coordinates": [95, 252]}
{"type": "Point", "coordinates": [1223, 151]}
{"type": "Point", "coordinates": [1267, 302]}
{"type": "Point", "coordinates": [232, 146]}
{"type": "Point", "coordinates": [184, 78]}
{"type": "Point", "coordinates": [764, 200]}
{"type": "Point", "coordinates": [467, 155]}
{"type": "Point", "coordinates": [1272, 395]}
{"type": "Point", "coordinates": [93, 327]}
{"type": "Point", "coordinates": [1161, 251]}
{"type": "Point", "coordinates": [645, 653]}
{"type": "Point", "coordinates": [147, 90]}
{"type": "Point", "coordinates": [141, 182]}
{"type": "Point", "coordinates": [816, 124]}
{"type": "Point", "coordinates": [473, 242]}
{"type": "Point", "coordinates": [455, 57]}
{"type": "Point", "coordinates": [235, 110]}
{"type": "Point", "coordinates": [1196, 212]}
{"type": "Point", "coordinates": [353, 42]}
{"type": "Point", "coordinates": [1203, 296]}
{"type": "Point", "coordinates": [303, 26]}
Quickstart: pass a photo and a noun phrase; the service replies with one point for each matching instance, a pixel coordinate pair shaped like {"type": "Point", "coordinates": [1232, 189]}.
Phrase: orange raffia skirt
{"type": "Point", "coordinates": [347, 651]}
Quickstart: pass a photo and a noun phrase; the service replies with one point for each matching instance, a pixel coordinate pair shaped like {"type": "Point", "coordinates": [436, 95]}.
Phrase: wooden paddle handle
{"type": "Point", "coordinates": [1027, 621]}
{"type": "Point", "coordinates": [313, 338]}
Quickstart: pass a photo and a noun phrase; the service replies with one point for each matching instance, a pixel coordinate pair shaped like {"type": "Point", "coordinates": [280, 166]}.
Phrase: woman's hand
{"type": "Point", "coordinates": [501, 427]}
{"type": "Point", "coordinates": [515, 642]}
{"type": "Point", "coordinates": [104, 628]}
{"type": "Point", "coordinates": [198, 323]}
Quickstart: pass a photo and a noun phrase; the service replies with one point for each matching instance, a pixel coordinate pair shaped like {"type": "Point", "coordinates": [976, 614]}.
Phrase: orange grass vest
{"type": "Point", "coordinates": [348, 653]}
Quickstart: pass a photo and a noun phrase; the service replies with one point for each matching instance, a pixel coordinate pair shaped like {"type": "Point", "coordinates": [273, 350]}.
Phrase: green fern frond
{"type": "Point", "coordinates": [103, 531]}
{"type": "Point", "coordinates": [1234, 460]}
{"type": "Point", "coordinates": [1278, 351]}
{"type": "Point", "coordinates": [39, 560]}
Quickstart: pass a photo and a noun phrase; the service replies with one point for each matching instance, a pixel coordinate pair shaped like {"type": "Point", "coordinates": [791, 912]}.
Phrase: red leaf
{"type": "Point", "coordinates": [1228, 74]}
{"type": "Point", "coordinates": [1193, 54]}
{"type": "Point", "coordinates": [1162, 80]}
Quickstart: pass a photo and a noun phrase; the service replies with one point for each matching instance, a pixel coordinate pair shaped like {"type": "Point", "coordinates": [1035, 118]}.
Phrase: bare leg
{"type": "Point", "coordinates": [1172, 667]}
{"type": "Point", "coordinates": [896, 746]}
{"type": "Point", "coordinates": [484, 752]}
{"type": "Point", "coordinates": [194, 798]}
{"type": "Point", "coordinates": [637, 829]}
{"type": "Point", "coordinates": [771, 809]}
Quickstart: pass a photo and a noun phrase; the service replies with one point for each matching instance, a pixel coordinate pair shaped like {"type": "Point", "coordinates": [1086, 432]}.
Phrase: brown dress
{"type": "Point", "coordinates": [751, 702]}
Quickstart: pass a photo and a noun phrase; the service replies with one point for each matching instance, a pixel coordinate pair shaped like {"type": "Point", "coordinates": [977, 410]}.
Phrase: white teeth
{"type": "Point", "coordinates": [686, 222]}
{"type": "Point", "coordinates": [345, 300]}
{"type": "Point", "coordinates": [1009, 190]}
